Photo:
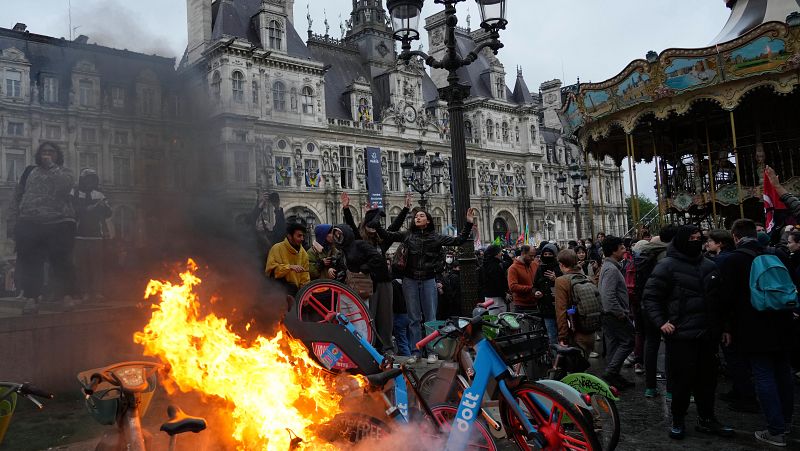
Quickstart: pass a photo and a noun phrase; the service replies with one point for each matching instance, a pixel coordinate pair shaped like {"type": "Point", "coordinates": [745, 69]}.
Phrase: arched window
{"type": "Point", "coordinates": [308, 100]}
{"type": "Point", "coordinates": [293, 99]}
{"type": "Point", "coordinates": [468, 130]}
{"type": "Point", "coordinates": [489, 130]}
{"type": "Point", "coordinates": [275, 31]}
{"type": "Point", "coordinates": [533, 134]}
{"type": "Point", "coordinates": [279, 96]}
{"type": "Point", "coordinates": [504, 128]}
{"type": "Point", "coordinates": [238, 86]}
{"type": "Point", "coordinates": [516, 134]}
{"type": "Point", "coordinates": [216, 83]}
{"type": "Point", "coordinates": [255, 92]}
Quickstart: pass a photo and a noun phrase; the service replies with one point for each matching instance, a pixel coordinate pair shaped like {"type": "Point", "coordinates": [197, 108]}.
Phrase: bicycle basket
{"type": "Point", "coordinates": [521, 347]}
{"type": "Point", "coordinates": [6, 411]}
{"type": "Point", "coordinates": [443, 347]}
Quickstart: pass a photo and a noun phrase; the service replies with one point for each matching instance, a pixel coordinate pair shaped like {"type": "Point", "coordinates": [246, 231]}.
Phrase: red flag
{"type": "Point", "coordinates": [772, 202]}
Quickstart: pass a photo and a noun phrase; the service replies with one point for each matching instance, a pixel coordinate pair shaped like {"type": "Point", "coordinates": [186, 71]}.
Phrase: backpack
{"type": "Point", "coordinates": [586, 300]}
{"type": "Point", "coordinates": [771, 285]}
{"type": "Point", "coordinates": [644, 265]}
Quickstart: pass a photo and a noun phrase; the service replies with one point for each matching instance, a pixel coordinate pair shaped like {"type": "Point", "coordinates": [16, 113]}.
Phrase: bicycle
{"type": "Point", "coordinates": [521, 348]}
{"type": "Point", "coordinates": [345, 341]}
{"type": "Point", "coordinates": [8, 401]}
{"type": "Point", "coordinates": [120, 395]}
{"type": "Point", "coordinates": [559, 424]}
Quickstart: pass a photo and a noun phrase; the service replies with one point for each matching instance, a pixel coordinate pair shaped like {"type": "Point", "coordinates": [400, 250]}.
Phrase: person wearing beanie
{"type": "Point", "coordinates": [324, 258]}
{"type": "Point", "coordinates": [682, 298]}
{"type": "Point", "coordinates": [371, 213]}
{"type": "Point", "coordinates": [494, 280]}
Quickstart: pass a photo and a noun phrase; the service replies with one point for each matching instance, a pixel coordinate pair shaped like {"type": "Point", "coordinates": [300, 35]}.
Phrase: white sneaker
{"type": "Point", "coordinates": [412, 360]}
{"type": "Point", "coordinates": [30, 307]}
{"type": "Point", "coordinates": [432, 358]}
{"type": "Point", "coordinates": [593, 355]}
{"type": "Point", "coordinates": [766, 437]}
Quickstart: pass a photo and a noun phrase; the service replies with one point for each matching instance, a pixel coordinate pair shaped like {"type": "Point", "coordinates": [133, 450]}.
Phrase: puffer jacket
{"type": "Point", "coordinates": [360, 256]}
{"type": "Point", "coordinates": [685, 292]}
{"type": "Point", "coordinates": [792, 203]}
{"type": "Point", "coordinates": [423, 247]}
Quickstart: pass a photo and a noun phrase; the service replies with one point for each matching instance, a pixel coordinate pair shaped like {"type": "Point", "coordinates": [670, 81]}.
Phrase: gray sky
{"type": "Point", "coordinates": [565, 39]}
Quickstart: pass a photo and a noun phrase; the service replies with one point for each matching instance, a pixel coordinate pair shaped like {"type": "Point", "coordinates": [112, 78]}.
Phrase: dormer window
{"type": "Point", "coordinates": [275, 31]}
{"type": "Point", "coordinates": [500, 88]}
{"type": "Point", "coordinates": [13, 84]}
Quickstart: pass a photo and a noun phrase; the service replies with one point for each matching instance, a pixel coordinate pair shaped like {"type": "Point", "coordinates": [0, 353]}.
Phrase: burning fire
{"type": "Point", "coordinates": [270, 384]}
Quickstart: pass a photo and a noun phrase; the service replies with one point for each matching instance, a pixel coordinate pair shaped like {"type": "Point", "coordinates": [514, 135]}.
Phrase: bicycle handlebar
{"type": "Point", "coordinates": [433, 336]}
{"type": "Point", "coordinates": [28, 389]}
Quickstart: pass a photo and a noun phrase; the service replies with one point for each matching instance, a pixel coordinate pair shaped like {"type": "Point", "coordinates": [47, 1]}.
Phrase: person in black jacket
{"type": "Point", "coordinates": [423, 257]}
{"type": "Point", "coordinates": [681, 297]}
{"type": "Point", "coordinates": [763, 337]}
{"type": "Point", "coordinates": [544, 282]}
{"type": "Point", "coordinates": [494, 279]}
{"type": "Point", "coordinates": [361, 256]}
{"type": "Point", "coordinates": [363, 231]}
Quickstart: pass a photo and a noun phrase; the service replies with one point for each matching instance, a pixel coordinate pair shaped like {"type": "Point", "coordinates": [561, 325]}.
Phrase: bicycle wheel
{"type": "Point", "coordinates": [606, 421]}
{"type": "Point", "coordinates": [429, 382]}
{"type": "Point", "coordinates": [479, 440]}
{"type": "Point", "coordinates": [560, 423]}
{"type": "Point", "coordinates": [318, 300]}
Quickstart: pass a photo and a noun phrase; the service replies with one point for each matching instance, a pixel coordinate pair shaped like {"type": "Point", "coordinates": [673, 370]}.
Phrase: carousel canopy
{"type": "Point", "coordinates": [669, 85]}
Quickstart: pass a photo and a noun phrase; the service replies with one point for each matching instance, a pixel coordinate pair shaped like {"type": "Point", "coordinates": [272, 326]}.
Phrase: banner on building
{"type": "Point", "coordinates": [374, 176]}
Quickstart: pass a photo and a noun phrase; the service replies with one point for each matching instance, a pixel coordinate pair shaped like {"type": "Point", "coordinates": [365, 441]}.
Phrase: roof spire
{"type": "Point", "coordinates": [341, 26]}
{"type": "Point", "coordinates": [468, 19]}
{"type": "Point", "coordinates": [327, 27]}
{"type": "Point", "coordinates": [519, 71]}
{"type": "Point", "coordinates": [308, 17]}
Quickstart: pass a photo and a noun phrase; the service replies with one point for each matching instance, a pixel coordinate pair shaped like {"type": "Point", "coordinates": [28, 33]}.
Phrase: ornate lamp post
{"type": "Point", "coordinates": [405, 16]}
{"type": "Point", "coordinates": [580, 185]}
{"type": "Point", "coordinates": [414, 166]}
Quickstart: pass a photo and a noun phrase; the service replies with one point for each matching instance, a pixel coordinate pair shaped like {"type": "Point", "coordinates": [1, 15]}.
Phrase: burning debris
{"type": "Point", "coordinates": [271, 385]}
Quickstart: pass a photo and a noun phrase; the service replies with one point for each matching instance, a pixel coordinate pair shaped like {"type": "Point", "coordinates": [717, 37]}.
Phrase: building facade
{"type": "Point", "coordinates": [253, 107]}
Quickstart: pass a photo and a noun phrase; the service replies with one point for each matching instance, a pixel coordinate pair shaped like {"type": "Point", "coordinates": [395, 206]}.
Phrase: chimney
{"type": "Point", "coordinates": [82, 39]}
{"type": "Point", "coordinates": [19, 26]}
{"type": "Point", "coordinates": [198, 15]}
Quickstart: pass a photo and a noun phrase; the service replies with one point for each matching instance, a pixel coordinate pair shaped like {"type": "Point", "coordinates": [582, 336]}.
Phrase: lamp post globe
{"type": "Point", "coordinates": [493, 14]}
{"type": "Point", "coordinates": [405, 18]}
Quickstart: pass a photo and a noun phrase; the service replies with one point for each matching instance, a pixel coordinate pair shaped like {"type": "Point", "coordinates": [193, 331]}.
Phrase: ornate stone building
{"type": "Point", "coordinates": [254, 107]}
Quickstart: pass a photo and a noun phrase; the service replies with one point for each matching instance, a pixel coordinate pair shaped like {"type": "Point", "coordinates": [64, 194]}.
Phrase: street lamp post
{"type": "Point", "coordinates": [414, 166]}
{"type": "Point", "coordinates": [405, 16]}
{"type": "Point", "coordinates": [580, 186]}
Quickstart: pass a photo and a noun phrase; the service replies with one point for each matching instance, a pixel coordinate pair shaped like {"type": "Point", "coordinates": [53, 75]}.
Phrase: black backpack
{"type": "Point", "coordinates": [644, 265]}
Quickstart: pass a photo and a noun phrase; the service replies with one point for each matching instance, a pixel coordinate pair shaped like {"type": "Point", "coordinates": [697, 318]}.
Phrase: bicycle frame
{"type": "Point", "coordinates": [400, 387]}
{"type": "Point", "coordinates": [488, 365]}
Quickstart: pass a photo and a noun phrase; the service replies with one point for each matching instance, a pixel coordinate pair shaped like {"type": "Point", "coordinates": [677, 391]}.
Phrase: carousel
{"type": "Point", "coordinates": [710, 119]}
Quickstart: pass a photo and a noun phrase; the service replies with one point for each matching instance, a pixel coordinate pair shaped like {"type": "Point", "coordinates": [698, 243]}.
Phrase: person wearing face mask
{"type": "Point", "coordinates": [682, 297]}
{"type": "Point", "coordinates": [545, 283]}
{"type": "Point", "coordinates": [44, 227]}
{"type": "Point", "coordinates": [494, 279]}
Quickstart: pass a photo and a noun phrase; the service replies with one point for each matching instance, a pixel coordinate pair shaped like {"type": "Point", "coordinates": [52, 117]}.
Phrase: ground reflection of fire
{"type": "Point", "coordinates": [271, 385]}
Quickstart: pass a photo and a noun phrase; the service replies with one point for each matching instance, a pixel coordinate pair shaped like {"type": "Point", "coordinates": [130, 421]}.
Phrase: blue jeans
{"type": "Point", "coordinates": [401, 334]}
{"type": "Point", "coordinates": [772, 374]}
{"type": "Point", "coordinates": [421, 302]}
{"type": "Point", "coordinates": [552, 329]}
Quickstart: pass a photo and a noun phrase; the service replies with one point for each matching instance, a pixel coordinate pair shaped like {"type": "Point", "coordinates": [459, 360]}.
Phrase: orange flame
{"type": "Point", "coordinates": [270, 384]}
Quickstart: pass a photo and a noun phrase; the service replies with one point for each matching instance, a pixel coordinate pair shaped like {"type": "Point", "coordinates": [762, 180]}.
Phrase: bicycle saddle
{"type": "Point", "coordinates": [565, 350]}
{"type": "Point", "coordinates": [380, 379]}
{"type": "Point", "coordinates": [179, 422]}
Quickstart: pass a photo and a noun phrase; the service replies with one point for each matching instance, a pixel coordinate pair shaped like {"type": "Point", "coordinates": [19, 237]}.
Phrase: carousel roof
{"type": "Point", "coordinates": [748, 14]}
{"type": "Point", "coordinates": [759, 54]}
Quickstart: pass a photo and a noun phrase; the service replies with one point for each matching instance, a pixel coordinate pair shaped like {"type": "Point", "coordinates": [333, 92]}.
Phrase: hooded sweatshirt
{"type": "Point", "coordinates": [361, 256]}
{"type": "Point", "coordinates": [91, 209]}
{"type": "Point", "coordinates": [283, 255]}
{"type": "Point", "coordinates": [45, 196]}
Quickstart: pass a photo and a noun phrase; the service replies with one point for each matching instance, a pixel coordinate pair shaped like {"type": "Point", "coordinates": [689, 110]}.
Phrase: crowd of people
{"type": "Point", "coordinates": [701, 293]}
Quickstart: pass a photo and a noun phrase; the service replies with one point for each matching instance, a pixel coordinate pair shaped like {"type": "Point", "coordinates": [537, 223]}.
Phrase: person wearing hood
{"type": "Point", "coordinates": [364, 231]}
{"type": "Point", "coordinates": [44, 226]}
{"type": "Point", "coordinates": [287, 262]}
{"type": "Point", "coordinates": [649, 256]}
{"type": "Point", "coordinates": [423, 255]}
{"type": "Point", "coordinates": [324, 258]}
{"type": "Point", "coordinates": [91, 211]}
{"type": "Point", "coordinates": [545, 282]}
{"type": "Point", "coordinates": [681, 297]}
{"type": "Point", "coordinates": [494, 279]}
{"type": "Point", "coordinates": [363, 257]}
